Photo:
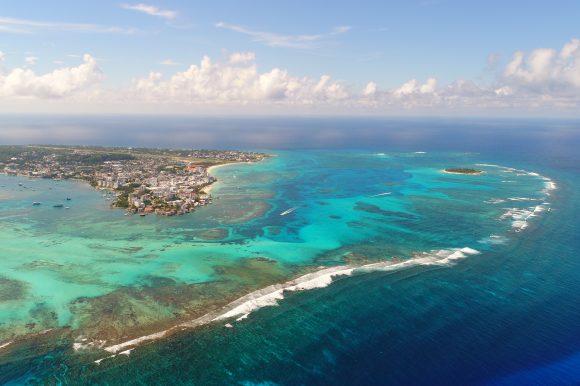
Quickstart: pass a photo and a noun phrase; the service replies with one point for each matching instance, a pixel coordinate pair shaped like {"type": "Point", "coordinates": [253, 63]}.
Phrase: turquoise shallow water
{"type": "Point", "coordinates": [89, 267]}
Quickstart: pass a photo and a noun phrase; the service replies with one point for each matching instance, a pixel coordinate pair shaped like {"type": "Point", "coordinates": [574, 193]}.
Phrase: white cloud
{"type": "Point", "coordinates": [544, 78]}
{"type": "Point", "coordinates": [30, 60]}
{"type": "Point", "coordinates": [413, 87]}
{"type": "Point", "coordinates": [24, 83]}
{"type": "Point", "coordinates": [168, 62]}
{"type": "Point", "coordinates": [242, 57]}
{"type": "Point", "coordinates": [370, 89]}
{"type": "Point", "coordinates": [277, 40]}
{"type": "Point", "coordinates": [220, 83]}
{"type": "Point", "coordinates": [545, 70]}
{"type": "Point", "coordinates": [151, 10]}
{"type": "Point", "coordinates": [13, 25]}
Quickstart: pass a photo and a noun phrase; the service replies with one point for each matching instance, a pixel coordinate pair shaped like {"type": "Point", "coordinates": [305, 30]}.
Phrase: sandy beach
{"type": "Point", "coordinates": [208, 189]}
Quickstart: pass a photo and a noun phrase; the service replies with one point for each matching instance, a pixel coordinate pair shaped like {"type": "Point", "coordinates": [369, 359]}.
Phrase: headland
{"type": "Point", "coordinates": [142, 181]}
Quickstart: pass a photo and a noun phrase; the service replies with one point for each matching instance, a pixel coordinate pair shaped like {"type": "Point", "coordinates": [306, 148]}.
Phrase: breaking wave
{"type": "Point", "coordinates": [269, 296]}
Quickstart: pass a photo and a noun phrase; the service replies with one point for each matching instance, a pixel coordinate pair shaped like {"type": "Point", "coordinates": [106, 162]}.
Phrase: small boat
{"type": "Point", "coordinates": [382, 194]}
{"type": "Point", "coordinates": [142, 214]}
{"type": "Point", "coordinates": [68, 198]}
{"type": "Point", "coordinates": [36, 203]}
{"type": "Point", "coordinates": [67, 207]}
{"type": "Point", "coordinates": [288, 211]}
{"type": "Point", "coordinates": [58, 206]}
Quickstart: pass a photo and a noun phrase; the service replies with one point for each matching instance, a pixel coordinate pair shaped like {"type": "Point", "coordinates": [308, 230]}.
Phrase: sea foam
{"type": "Point", "coordinates": [269, 296]}
{"type": "Point", "coordinates": [520, 216]}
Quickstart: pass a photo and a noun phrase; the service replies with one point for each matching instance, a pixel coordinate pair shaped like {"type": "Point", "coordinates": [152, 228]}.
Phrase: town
{"type": "Point", "coordinates": [142, 181]}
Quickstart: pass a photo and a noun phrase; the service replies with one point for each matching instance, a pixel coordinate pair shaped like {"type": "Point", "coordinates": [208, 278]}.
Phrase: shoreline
{"type": "Point", "coordinates": [269, 295]}
{"type": "Point", "coordinates": [479, 173]}
{"type": "Point", "coordinates": [207, 189]}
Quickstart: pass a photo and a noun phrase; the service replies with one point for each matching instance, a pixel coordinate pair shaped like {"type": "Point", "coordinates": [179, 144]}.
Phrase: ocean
{"type": "Point", "coordinates": [439, 278]}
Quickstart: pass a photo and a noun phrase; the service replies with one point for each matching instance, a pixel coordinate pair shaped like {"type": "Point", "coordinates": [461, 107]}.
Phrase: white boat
{"type": "Point", "coordinates": [382, 194]}
{"type": "Point", "coordinates": [288, 211]}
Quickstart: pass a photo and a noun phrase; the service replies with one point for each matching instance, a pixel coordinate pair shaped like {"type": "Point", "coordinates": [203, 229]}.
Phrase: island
{"type": "Point", "coordinates": [462, 171]}
{"type": "Point", "coordinates": [139, 180]}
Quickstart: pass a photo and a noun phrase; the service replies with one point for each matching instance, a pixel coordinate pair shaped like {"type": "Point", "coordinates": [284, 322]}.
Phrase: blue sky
{"type": "Point", "coordinates": [388, 43]}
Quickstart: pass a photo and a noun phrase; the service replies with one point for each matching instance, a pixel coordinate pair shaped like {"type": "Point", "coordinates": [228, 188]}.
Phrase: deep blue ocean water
{"type": "Point", "coordinates": [509, 317]}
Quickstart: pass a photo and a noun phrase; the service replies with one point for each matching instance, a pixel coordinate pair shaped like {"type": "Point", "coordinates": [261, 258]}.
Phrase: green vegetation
{"type": "Point", "coordinates": [95, 155]}
{"type": "Point", "coordinates": [122, 200]}
{"type": "Point", "coordinates": [463, 171]}
{"type": "Point", "coordinates": [94, 159]}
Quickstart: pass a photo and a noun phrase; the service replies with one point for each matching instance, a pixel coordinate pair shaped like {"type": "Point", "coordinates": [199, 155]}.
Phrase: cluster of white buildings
{"type": "Point", "coordinates": [171, 190]}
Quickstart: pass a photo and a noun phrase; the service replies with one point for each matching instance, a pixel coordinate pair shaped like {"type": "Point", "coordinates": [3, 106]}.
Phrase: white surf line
{"type": "Point", "coordinates": [6, 344]}
{"type": "Point", "coordinates": [270, 295]}
{"type": "Point", "coordinates": [382, 194]}
{"type": "Point", "coordinates": [288, 211]}
{"type": "Point", "coordinates": [548, 182]}
{"type": "Point", "coordinates": [249, 302]}
{"type": "Point", "coordinates": [524, 199]}
{"type": "Point", "coordinates": [520, 216]}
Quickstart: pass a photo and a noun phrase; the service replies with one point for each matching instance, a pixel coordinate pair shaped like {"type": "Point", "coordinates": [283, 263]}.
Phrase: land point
{"type": "Point", "coordinates": [140, 180]}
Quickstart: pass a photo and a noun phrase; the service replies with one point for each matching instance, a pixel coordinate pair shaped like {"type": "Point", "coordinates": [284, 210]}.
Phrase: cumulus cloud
{"type": "Point", "coordinates": [24, 83]}
{"type": "Point", "coordinates": [151, 10]}
{"type": "Point", "coordinates": [168, 62]}
{"type": "Point", "coordinates": [543, 78]}
{"type": "Point", "coordinates": [414, 87]}
{"type": "Point", "coordinates": [30, 60]}
{"type": "Point", "coordinates": [242, 57]}
{"type": "Point", "coordinates": [278, 40]}
{"type": "Point", "coordinates": [370, 89]}
{"type": "Point", "coordinates": [211, 82]}
{"type": "Point", "coordinates": [545, 70]}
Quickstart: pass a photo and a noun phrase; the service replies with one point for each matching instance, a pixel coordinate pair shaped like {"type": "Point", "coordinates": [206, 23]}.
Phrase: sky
{"type": "Point", "coordinates": [415, 57]}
